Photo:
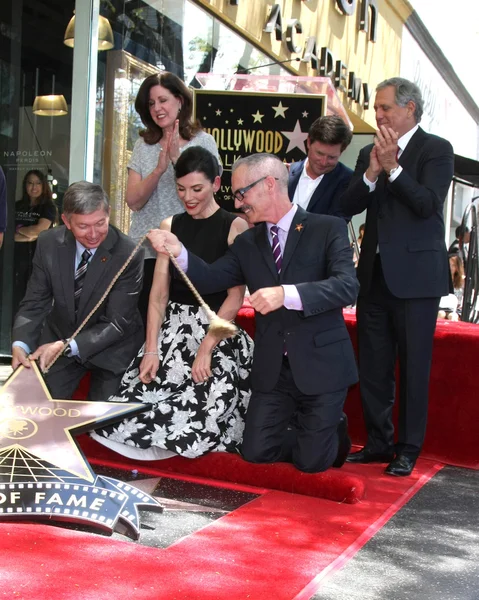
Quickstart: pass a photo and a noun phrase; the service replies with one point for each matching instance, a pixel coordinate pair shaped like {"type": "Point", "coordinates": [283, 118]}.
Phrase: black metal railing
{"type": "Point", "coordinates": [470, 307]}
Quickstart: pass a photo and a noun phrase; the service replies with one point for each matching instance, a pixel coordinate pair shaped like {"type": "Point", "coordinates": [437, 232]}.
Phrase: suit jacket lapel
{"type": "Point", "coordinates": [265, 247]}
{"type": "Point", "coordinates": [296, 169]}
{"type": "Point", "coordinates": [410, 151]}
{"type": "Point", "coordinates": [66, 259]}
{"type": "Point", "coordinates": [296, 230]}
{"type": "Point", "coordinates": [96, 271]}
{"type": "Point", "coordinates": [320, 194]}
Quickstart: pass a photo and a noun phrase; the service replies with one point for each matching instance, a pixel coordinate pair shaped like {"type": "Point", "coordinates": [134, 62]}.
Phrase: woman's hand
{"type": "Point", "coordinates": [161, 239]}
{"type": "Point", "coordinates": [174, 148]}
{"type": "Point", "coordinates": [164, 158]}
{"type": "Point", "coordinates": [149, 368]}
{"type": "Point", "coordinates": [201, 369]}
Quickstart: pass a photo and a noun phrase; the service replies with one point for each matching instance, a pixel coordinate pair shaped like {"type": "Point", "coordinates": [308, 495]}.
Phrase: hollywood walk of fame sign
{"type": "Point", "coordinates": [244, 123]}
{"type": "Point", "coordinates": [44, 474]}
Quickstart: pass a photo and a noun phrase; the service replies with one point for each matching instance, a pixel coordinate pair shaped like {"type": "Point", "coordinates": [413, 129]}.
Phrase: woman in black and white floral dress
{"type": "Point", "coordinates": [197, 385]}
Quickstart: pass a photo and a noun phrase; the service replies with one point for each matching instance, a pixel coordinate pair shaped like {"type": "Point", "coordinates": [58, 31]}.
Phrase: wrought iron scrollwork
{"type": "Point", "coordinates": [470, 307]}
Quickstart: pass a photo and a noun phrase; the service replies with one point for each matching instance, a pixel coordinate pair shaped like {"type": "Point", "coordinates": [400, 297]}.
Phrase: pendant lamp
{"type": "Point", "coordinates": [53, 105]}
{"type": "Point", "coordinates": [50, 105]}
{"type": "Point", "coordinates": [105, 34]}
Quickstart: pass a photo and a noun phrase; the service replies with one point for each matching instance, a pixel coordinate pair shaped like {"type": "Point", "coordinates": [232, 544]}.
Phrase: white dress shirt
{"type": "Point", "coordinates": [305, 188]}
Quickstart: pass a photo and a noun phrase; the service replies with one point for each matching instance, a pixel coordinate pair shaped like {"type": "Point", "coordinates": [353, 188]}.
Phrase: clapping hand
{"type": "Point", "coordinates": [164, 157]}
{"type": "Point", "coordinates": [174, 146]}
{"type": "Point", "coordinates": [386, 145]}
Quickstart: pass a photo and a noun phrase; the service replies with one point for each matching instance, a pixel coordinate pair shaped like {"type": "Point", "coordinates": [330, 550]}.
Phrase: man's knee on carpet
{"type": "Point", "coordinates": [261, 453]}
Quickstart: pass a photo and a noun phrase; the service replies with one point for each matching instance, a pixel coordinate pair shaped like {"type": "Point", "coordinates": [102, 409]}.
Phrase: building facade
{"type": "Point", "coordinates": [97, 64]}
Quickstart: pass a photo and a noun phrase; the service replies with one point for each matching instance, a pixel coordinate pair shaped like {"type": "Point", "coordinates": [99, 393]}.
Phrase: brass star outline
{"type": "Point", "coordinates": [25, 397]}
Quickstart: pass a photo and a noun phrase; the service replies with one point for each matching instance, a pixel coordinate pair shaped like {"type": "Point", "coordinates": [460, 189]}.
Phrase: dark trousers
{"type": "Point", "coordinates": [144, 297]}
{"type": "Point", "coordinates": [65, 376]}
{"type": "Point", "coordinates": [390, 327]}
{"type": "Point", "coordinates": [311, 444]}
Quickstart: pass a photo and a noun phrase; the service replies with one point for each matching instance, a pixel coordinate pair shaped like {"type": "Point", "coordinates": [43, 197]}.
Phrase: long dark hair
{"type": "Point", "coordinates": [46, 195]}
{"type": "Point", "coordinates": [154, 133]}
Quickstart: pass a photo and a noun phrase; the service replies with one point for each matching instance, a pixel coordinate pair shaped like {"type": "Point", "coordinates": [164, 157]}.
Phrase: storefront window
{"type": "Point", "coordinates": [34, 64]}
{"type": "Point", "coordinates": [171, 35]}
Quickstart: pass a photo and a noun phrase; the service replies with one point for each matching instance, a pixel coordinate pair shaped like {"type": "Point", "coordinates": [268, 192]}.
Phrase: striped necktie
{"type": "Point", "coordinates": [278, 258]}
{"type": "Point", "coordinates": [80, 276]}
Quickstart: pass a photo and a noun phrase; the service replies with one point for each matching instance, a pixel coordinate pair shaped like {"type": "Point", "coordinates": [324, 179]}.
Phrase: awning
{"type": "Point", "coordinates": [466, 169]}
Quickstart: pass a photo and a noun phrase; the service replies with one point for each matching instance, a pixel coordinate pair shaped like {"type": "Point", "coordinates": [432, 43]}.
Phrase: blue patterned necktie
{"type": "Point", "coordinates": [278, 258]}
{"type": "Point", "coordinates": [80, 276]}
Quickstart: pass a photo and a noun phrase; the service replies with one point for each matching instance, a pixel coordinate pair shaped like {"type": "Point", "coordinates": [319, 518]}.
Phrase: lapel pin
{"type": "Point", "coordinates": [299, 227]}
{"type": "Point", "coordinates": [103, 259]}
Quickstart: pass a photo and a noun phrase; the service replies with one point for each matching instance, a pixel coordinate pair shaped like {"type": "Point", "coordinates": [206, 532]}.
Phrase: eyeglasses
{"type": "Point", "coordinates": [240, 194]}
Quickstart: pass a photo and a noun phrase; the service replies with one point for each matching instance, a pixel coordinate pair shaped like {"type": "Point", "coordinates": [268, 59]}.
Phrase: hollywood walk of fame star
{"type": "Point", "coordinates": [280, 110]}
{"type": "Point", "coordinates": [296, 138]}
{"type": "Point", "coordinates": [31, 420]}
{"type": "Point", "coordinates": [299, 227]}
{"type": "Point", "coordinates": [257, 116]}
{"type": "Point", "coordinates": [218, 113]}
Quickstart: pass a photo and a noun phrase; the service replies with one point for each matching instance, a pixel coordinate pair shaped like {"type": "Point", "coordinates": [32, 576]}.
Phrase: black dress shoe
{"type": "Point", "coordinates": [365, 456]}
{"type": "Point", "coordinates": [344, 442]}
{"type": "Point", "coordinates": [401, 466]}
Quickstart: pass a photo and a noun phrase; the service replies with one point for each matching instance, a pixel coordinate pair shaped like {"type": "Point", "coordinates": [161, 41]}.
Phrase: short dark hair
{"type": "Point", "coordinates": [197, 159]}
{"type": "Point", "coordinates": [461, 231]}
{"type": "Point", "coordinates": [330, 130]}
{"type": "Point", "coordinates": [154, 133]}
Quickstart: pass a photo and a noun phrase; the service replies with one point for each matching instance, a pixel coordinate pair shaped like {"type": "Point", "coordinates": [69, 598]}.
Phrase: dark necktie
{"type": "Point", "coordinates": [278, 259]}
{"type": "Point", "coordinates": [80, 276]}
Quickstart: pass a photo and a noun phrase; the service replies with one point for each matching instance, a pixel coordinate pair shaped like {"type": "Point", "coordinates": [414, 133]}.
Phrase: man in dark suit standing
{"type": "Point", "coordinates": [299, 270]}
{"type": "Point", "coordinates": [402, 180]}
{"type": "Point", "coordinates": [72, 267]}
{"type": "Point", "coordinates": [317, 182]}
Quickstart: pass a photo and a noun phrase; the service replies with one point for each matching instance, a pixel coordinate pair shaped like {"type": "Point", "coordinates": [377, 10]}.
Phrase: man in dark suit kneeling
{"type": "Point", "coordinates": [72, 267]}
{"type": "Point", "coordinates": [317, 182]}
{"type": "Point", "coordinates": [299, 270]}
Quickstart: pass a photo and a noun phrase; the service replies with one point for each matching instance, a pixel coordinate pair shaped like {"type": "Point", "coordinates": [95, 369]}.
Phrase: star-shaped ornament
{"type": "Point", "coordinates": [32, 421]}
{"type": "Point", "coordinates": [280, 110]}
{"type": "Point", "coordinates": [240, 121]}
{"type": "Point", "coordinates": [257, 116]}
{"type": "Point", "coordinates": [305, 114]}
{"type": "Point", "coordinates": [296, 138]}
{"type": "Point", "coordinates": [218, 112]}
{"type": "Point", "coordinates": [299, 227]}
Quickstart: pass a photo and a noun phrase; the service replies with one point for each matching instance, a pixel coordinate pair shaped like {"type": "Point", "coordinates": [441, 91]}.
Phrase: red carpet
{"type": "Point", "coordinates": [453, 405]}
{"type": "Point", "coordinates": [279, 546]}
{"type": "Point", "coordinates": [334, 484]}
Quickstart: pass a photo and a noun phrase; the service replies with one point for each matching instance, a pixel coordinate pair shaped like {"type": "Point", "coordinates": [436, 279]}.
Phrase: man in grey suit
{"type": "Point", "coordinates": [299, 270]}
{"type": "Point", "coordinates": [72, 267]}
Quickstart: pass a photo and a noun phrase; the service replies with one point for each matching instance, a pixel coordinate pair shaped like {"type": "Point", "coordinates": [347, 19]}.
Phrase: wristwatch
{"type": "Point", "coordinates": [68, 350]}
{"type": "Point", "coordinates": [392, 171]}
